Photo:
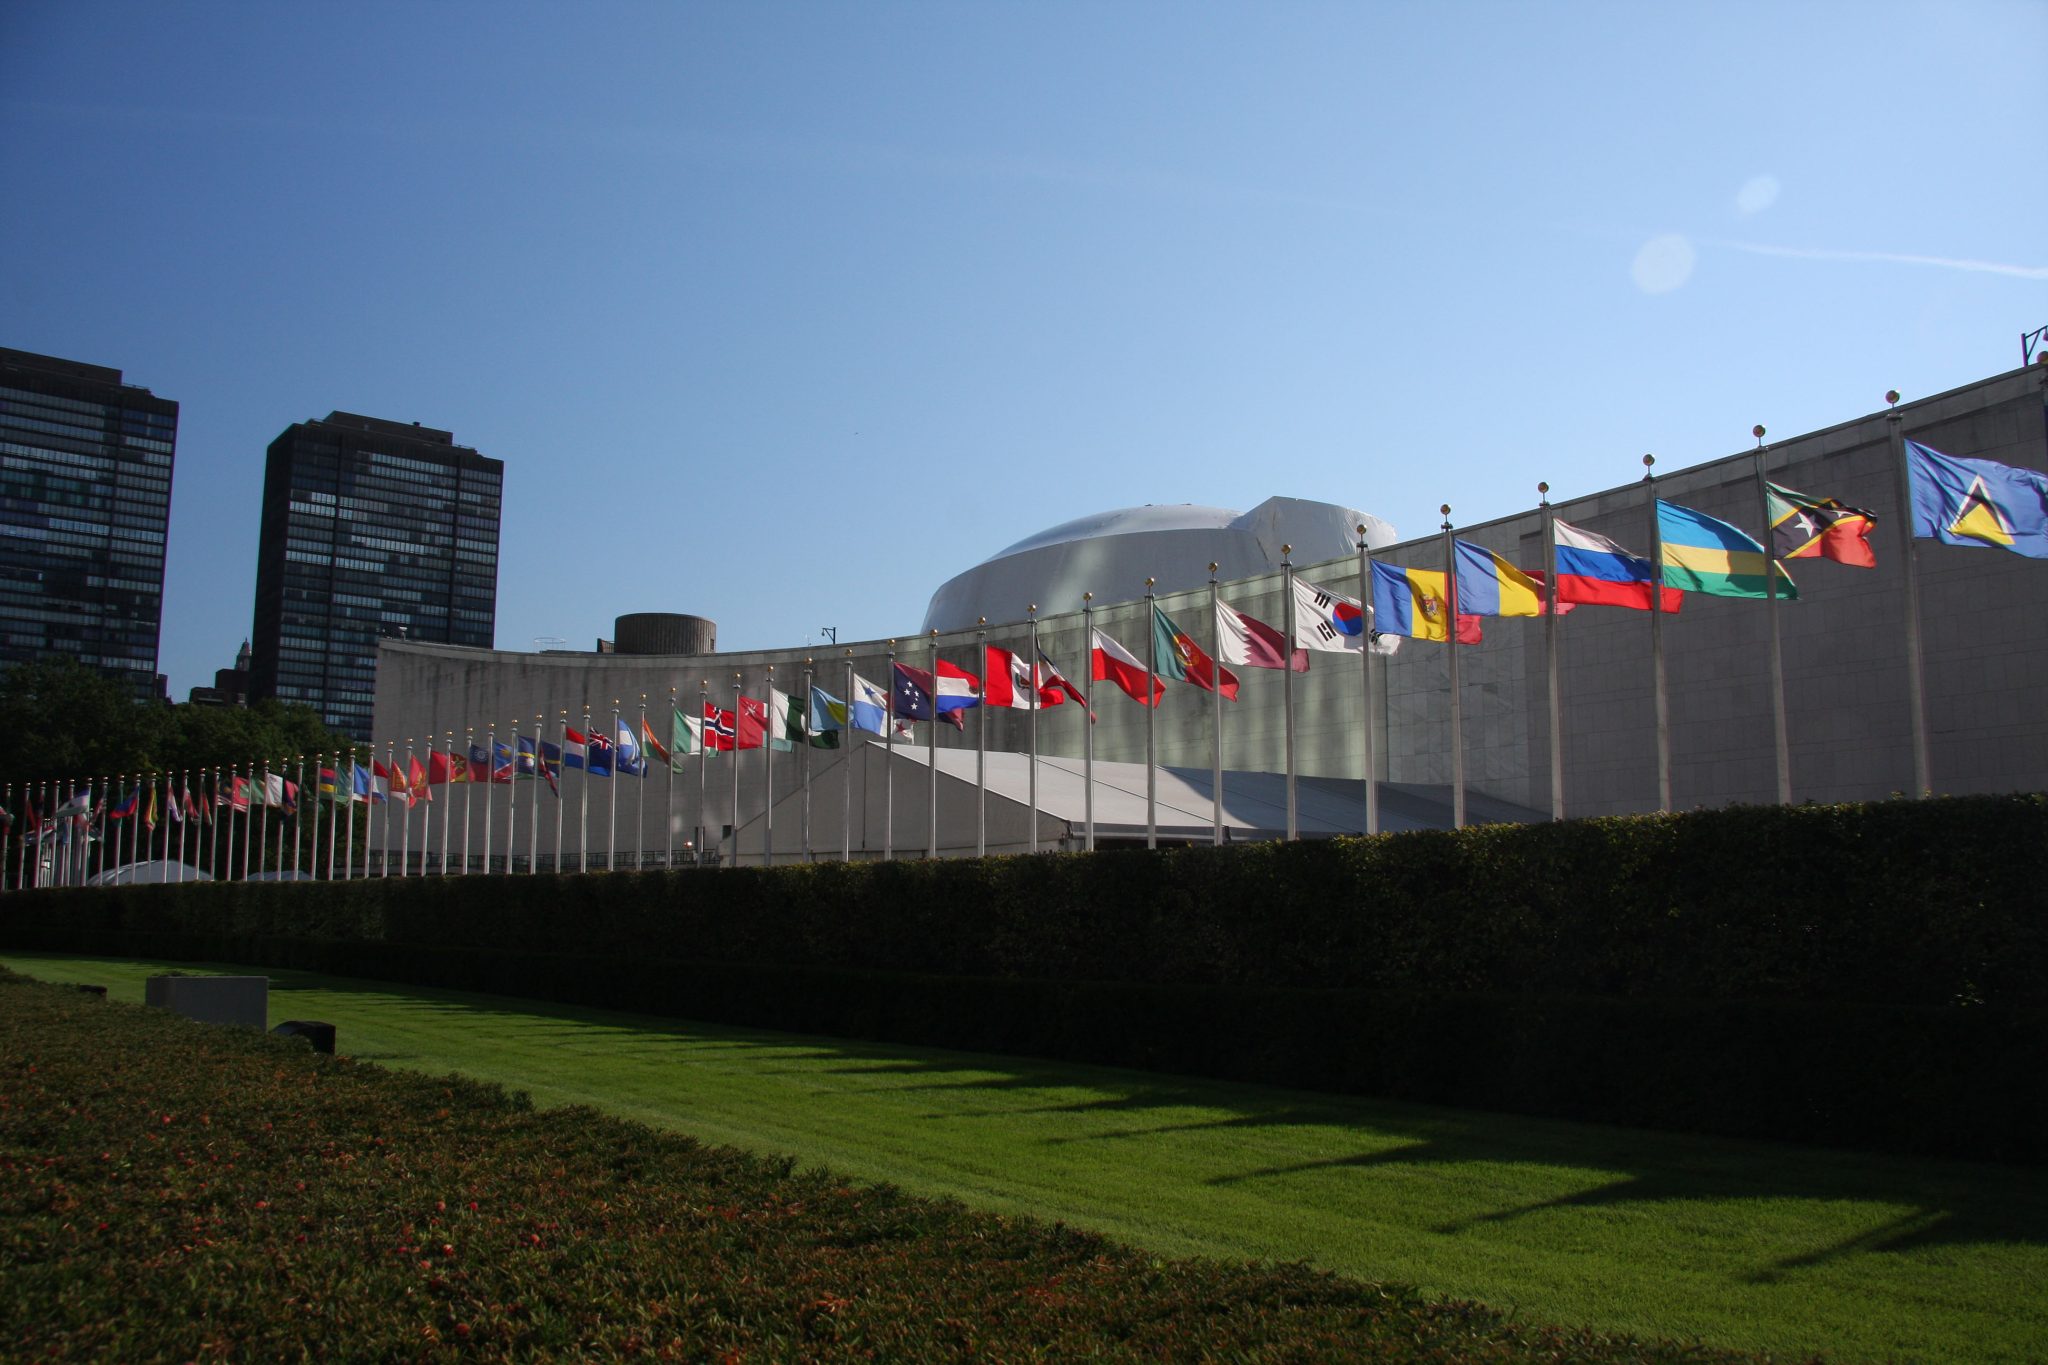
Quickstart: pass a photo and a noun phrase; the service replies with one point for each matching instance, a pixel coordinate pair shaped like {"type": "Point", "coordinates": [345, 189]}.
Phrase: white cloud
{"type": "Point", "coordinates": [1758, 194]}
{"type": "Point", "coordinates": [1809, 253]}
{"type": "Point", "coordinates": [1663, 263]}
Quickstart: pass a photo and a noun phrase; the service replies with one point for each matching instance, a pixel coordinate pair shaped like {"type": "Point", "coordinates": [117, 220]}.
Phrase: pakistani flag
{"type": "Point", "coordinates": [783, 725]}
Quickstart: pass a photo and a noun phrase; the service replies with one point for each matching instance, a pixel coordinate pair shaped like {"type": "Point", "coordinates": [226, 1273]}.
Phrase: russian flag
{"type": "Point", "coordinates": [1594, 570]}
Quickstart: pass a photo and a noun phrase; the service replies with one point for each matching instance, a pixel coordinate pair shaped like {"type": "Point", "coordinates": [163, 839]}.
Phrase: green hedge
{"type": "Point", "coordinates": [1871, 975]}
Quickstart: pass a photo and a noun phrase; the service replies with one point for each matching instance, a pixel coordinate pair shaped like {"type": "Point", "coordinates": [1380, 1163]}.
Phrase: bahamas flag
{"type": "Point", "coordinates": [1976, 502]}
{"type": "Point", "coordinates": [1707, 556]}
{"type": "Point", "coordinates": [1490, 586]}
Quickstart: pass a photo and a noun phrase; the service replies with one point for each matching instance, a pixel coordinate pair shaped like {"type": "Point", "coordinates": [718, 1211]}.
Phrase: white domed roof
{"type": "Point", "coordinates": [1112, 554]}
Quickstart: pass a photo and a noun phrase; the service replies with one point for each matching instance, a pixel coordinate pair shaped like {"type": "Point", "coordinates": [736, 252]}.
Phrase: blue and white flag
{"type": "Point", "coordinates": [630, 763]}
{"type": "Point", "coordinates": [870, 707]}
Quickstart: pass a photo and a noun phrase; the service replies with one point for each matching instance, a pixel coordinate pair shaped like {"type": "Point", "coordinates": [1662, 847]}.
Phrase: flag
{"type": "Point", "coordinates": [125, 807]}
{"type": "Point", "coordinates": [1250, 643]}
{"type": "Point", "coordinates": [1806, 527]}
{"type": "Point", "coordinates": [329, 785]}
{"type": "Point", "coordinates": [1007, 680]}
{"type": "Point", "coordinates": [1413, 602]}
{"type": "Point", "coordinates": [1594, 570]}
{"type": "Point", "coordinates": [1109, 661]}
{"type": "Point", "coordinates": [914, 696]}
{"type": "Point", "coordinates": [750, 728]}
{"type": "Point", "coordinates": [1976, 502]}
{"type": "Point", "coordinates": [721, 729]}
{"type": "Point", "coordinates": [1711, 557]}
{"type": "Point", "coordinates": [550, 764]}
{"type": "Point", "coordinates": [237, 795]}
{"type": "Point", "coordinates": [1056, 685]}
{"type": "Point", "coordinates": [416, 779]}
{"type": "Point", "coordinates": [1490, 586]}
{"type": "Point", "coordinates": [149, 811]}
{"type": "Point", "coordinates": [282, 794]}
{"type": "Point", "coordinates": [824, 718]}
{"type": "Point", "coordinates": [1543, 602]}
{"type": "Point", "coordinates": [478, 767]}
{"type": "Point", "coordinates": [685, 733]}
{"type": "Point", "coordinates": [1328, 620]}
{"type": "Point", "coordinates": [662, 754]}
{"type": "Point", "coordinates": [958, 691]}
{"type": "Point", "coordinates": [592, 753]}
{"type": "Point", "coordinates": [174, 805]}
{"type": "Point", "coordinates": [363, 786]}
{"type": "Point", "coordinates": [868, 707]}
{"type": "Point", "coordinates": [626, 753]}
{"type": "Point", "coordinates": [775, 722]}
{"type": "Point", "coordinates": [443, 768]}
{"type": "Point", "coordinates": [1182, 660]}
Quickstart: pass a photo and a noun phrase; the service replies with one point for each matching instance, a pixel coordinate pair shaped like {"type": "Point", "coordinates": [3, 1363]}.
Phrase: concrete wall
{"type": "Point", "coordinates": [1986, 650]}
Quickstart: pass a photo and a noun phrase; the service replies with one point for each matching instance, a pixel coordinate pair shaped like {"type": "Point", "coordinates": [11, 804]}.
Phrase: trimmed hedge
{"type": "Point", "coordinates": [1872, 975]}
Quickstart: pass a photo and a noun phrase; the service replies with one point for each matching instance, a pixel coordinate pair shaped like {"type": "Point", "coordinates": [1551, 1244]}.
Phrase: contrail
{"type": "Point", "coordinates": [1805, 253]}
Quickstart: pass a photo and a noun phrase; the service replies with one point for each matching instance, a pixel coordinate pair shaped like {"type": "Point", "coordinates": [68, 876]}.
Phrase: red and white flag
{"type": "Point", "coordinates": [1007, 681]}
{"type": "Point", "coordinates": [1110, 661]}
{"type": "Point", "coordinates": [1251, 643]}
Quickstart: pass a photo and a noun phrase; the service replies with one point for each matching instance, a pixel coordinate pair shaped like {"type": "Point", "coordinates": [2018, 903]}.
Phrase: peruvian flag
{"type": "Point", "coordinates": [1009, 681]}
{"type": "Point", "coordinates": [1110, 661]}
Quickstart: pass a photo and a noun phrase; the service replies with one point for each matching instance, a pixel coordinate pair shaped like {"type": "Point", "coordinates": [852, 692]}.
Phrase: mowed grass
{"type": "Point", "coordinates": [1740, 1245]}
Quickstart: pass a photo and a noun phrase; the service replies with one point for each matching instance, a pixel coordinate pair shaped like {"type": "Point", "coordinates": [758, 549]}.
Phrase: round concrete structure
{"type": "Point", "coordinates": [1111, 554]}
{"type": "Point", "coordinates": [664, 632]}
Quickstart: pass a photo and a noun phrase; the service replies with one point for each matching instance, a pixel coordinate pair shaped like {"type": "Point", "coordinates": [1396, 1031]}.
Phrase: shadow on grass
{"type": "Point", "coordinates": [1940, 1203]}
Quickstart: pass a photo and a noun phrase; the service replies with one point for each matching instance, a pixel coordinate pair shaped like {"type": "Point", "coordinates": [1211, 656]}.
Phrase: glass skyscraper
{"type": "Point", "coordinates": [370, 528]}
{"type": "Point", "coordinates": [85, 503]}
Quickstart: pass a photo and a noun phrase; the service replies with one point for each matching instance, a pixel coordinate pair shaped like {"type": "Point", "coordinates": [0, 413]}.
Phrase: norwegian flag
{"type": "Point", "coordinates": [721, 728]}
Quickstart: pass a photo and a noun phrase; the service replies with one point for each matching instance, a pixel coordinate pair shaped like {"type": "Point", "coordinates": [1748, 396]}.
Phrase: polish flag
{"type": "Point", "coordinates": [1110, 661]}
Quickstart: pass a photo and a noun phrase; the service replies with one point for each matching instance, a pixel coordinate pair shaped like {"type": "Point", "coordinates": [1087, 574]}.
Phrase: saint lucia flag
{"type": "Point", "coordinates": [1976, 502]}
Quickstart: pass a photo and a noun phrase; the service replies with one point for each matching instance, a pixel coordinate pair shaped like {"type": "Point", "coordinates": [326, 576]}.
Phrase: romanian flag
{"type": "Point", "coordinates": [1806, 527]}
{"type": "Point", "coordinates": [1707, 556]}
{"type": "Point", "coordinates": [1490, 586]}
{"type": "Point", "coordinates": [1977, 502]}
{"type": "Point", "coordinates": [1413, 602]}
{"type": "Point", "coordinates": [1182, 660]}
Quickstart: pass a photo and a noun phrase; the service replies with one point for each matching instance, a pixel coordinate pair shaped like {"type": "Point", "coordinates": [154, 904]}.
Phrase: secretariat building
{"type": "Point", "coordinates": [371, 530]}
{"type": "Point", "coordinates": [85, 502]}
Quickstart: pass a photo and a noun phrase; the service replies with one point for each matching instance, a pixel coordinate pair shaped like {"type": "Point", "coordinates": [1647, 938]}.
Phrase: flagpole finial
{"type": "Point", "coordinates": [1087, 597]}
{"type": "Point", "coordinates": [1758, 432]}
{"type": "Point", "coordinates": [1891, 397]}
{"type": "Point", "coordinates": [982, 621]}
{"type": "Point", "coordinates": [1446, 510]}
{"type": "Point", "coordinates": [1543, 493]}
{"type": "Point", "coordinates": [1286, 550]}
{"type": "Point", "coordinates": [1648, 462]}
{"type": "Point", "coordinates": [1031, 610]}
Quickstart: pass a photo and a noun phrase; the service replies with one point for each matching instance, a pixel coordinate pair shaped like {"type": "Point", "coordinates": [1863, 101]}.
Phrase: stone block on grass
{"type": "Point", "coordinates": [240, 1000]}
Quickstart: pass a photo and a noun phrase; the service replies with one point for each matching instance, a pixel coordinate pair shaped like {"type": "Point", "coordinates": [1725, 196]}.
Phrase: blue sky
{"type": "Point", "coordinates": [783, 314]}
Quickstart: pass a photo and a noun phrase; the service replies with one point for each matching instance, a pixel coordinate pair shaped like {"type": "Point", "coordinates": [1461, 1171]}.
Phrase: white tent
{"type": "Point", "coordinates": [149, 870]}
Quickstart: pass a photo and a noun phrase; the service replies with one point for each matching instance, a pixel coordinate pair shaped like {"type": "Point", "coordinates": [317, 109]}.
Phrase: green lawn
{"type": "Point", "coordinates": [1739, 1244]}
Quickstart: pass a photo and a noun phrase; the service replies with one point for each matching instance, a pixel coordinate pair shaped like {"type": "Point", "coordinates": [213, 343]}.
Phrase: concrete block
{"type": "Point", "coordinates": [243, 1000]}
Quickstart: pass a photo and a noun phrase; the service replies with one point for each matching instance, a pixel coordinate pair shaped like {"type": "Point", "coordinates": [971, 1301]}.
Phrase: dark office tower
{"type": "Point", "coordinates": [370, 528]}
{"type": "Point", "coordinates": [85, 500]}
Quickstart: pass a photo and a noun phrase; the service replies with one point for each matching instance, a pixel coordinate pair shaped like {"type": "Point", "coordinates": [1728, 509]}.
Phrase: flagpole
{"type": "Point", "coordinates": [931, 752]}
{"type": "Point", "coordinates": [234, 790]}
{"type": "Point", "coordinates": [703, 764]}
{"type": "Point", "coordinates": [1088, 728]}
{"type": "Point", "coordinates": [1037, 705]}
{"type": "Point", "coordinates": [1216, 710]}
{"type": "Point", "coordinates": [1368, 744]}
{"type": "Point", "coordinates": [640, 799]}
{"type": "Point", "coordinates": [889, 762]}
{"type": "Point", "coordinates": [803, 758]}
{"type": "Point", "coordinates": [735, 861]}
{"type": "Point", "coordinates": [262, 838]}
{"type": "Point", "coordinates": [980, 744]}
{"type": "Point", "coordinates": [767, 779]}
{"type": "Point", "coordinates": [846, 761]}
{"type": "Point", "coordinates": [224, 815]}
{"type": "Point", "coordinates": [611, 849]}
{"type": "Point", "coordinates": [490, 793]}
{"type": "Point", "coordinates": [448, 798]}
{"type": "Point", "coordinates": [246, 840]}
{"type": "Point", "coordinates": [405, 832]}
{"type": "Point", "coordinates": [511, 804]}
{"type": "Point", "coordinates": [1550, 629]}
{"type": "Point", "coordinates": [1287, 687]}
{"type": "Point", "coordinates": [1782, 744]}
{"type": "Point", "coordinates": [668, 844]}
{"type": "Point", "coordinates": [1457, 695]}
{"type": "Point", "coordinates": [298, 814]}
{"type": "Point", "coordinates": [1657, 638]}
{"type": "Point", "coordinates": [1151, 712]}
{"type": "Point", "coordinates": [1916, 686]}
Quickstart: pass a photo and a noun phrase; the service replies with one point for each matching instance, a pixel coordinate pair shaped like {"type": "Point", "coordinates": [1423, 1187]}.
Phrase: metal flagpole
{"type": "Point", "coordinates": [611, 843]}
{"type": "Point", "coordinates": [223, 815]}
{"type": "Point", "coordinates": [245, 826]}
{"type": "Point", "coordinates": [1367, 742]}
{"type": "Point", "coordinates": [468, 798]}
{"type": "Point", "coordinates": [1287, 687]}
{"type": "Point", "coordinates": [640, 800]}
{"type": "Point", "coordinates": [703, 763]}
{"type": "Point", "coordinates": [736, 721]}
{"type": "Point", "coordinates": [889, 762]}
{"type": "Point", "coordinates": [262, 838]}
{"type": "Point", "coordinates": [298, 813]}
{"type": "Point", "coordinates": [1780, 734]}
{"type": "Point", "coordinates": [803, 757]}
{"type": "Point", "coordinates": [1215, 711]}
{"type": "Point", "coordinates": [1037, 705]}
{"type": "Point", "coordinates": [490, 800]}
{"type": "Point", "coordinates": [980, 746]}
{"type": "Point", "coordinates": [390, 807]}
{"type": "Point", "coordinates": [668, 843]}
{"type": "Point", "coordinates": [846, 762]}
{"type": "Point", "coordinates": [1088, 731]}
{"type": "Point", "coordinates": [767, 778]}
{"type": "Point", "coordinates": [540, 732]}
{"type": "Point", "coordinates": [583, 816]}
{"type": "Point", "coordinates": [931, 751]}
{"type": "Point", "coordinates": [1657, 638]}
{"type": "Point", "coordinates": [1550, 614]}
{"type": "Point", "coordinates": [234, 789]}
{"type": "Point", "coordinates": [405, 831]}
{"type": "Point", "coordinates": [511, 804]}
{"type": "Point", "coordinates": [561, 801]}
{"type": "Point", "coordinates": [7, 839]}
{"type": "Point", "coordinates": [1151, 710]}
{"type": "Point", "coordinates": [1916, 687]}
{"type": "Point", "coordinates": [448, 800]}
{"type": "Point", "coordinates": [1457, 693]}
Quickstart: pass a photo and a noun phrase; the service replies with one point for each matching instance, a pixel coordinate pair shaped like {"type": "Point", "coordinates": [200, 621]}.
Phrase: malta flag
{"type": "Point", "coordinates": [1109, 661]}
